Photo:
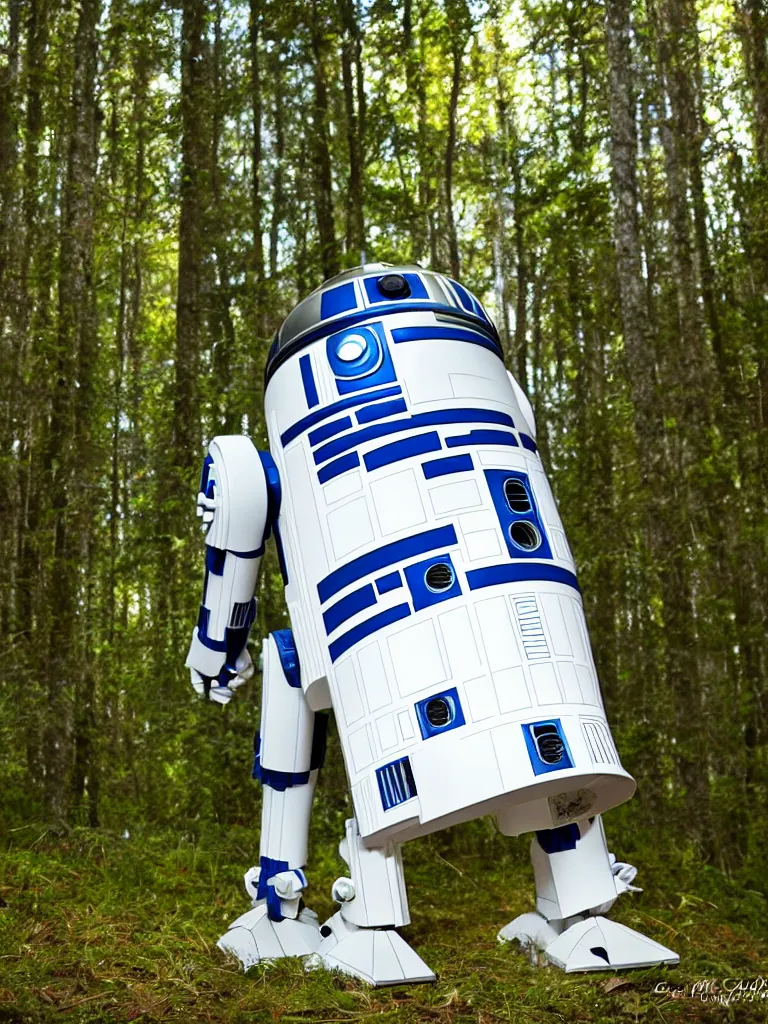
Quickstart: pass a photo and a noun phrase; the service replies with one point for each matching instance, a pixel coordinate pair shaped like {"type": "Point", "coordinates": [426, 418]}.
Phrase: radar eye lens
{"type": "Point", "coordinates": [393, 286]}
{"type": "Point", "coordinates": [438, 712]}
{"type": "Point", "coordinates": [439, 577]}
{"type": "Point", "coordinates": [525, 535]}
{"type": "Point", "coordinates": [351, 348]}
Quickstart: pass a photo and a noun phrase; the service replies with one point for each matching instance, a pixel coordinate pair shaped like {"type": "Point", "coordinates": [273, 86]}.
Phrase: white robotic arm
{"type": "Point", "coordinates": [525, 405]}
{"type": "Point", "coordinates": [234, 504]}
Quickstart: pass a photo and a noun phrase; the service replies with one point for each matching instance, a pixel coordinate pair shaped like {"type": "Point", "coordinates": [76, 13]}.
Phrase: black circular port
{"type": "Point", "coordinates": [551, 748]}
{"type": "Point", "coordinates": [393, 286]}
{"type": "Point", "coordinates": [439, 577]}
{"type": "Point", "coordinates": [525, 535]}
{"type": "Point", "coordinates": [325, 931]}
{"type": "Point", "coordinates": [438, 712]}
{"type": "Point", "coordinates": [516, 495]}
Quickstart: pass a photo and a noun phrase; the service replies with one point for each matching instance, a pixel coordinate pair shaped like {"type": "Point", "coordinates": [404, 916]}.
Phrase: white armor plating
{"type": "Point", "coordinates": [434, 606]}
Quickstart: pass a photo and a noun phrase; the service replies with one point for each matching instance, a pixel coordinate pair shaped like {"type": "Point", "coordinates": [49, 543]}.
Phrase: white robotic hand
{"type": "Point", "coordinates": [623, 875]}
{"type": "Point", "coordinates": [221, 688]}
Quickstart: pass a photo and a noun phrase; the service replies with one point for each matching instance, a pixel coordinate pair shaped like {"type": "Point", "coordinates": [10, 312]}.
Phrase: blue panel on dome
{"type": "Point", "coordinates": [338, 300]}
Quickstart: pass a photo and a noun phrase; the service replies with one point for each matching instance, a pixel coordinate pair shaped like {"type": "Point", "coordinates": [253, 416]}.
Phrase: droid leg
{"type": "Point", "coordinates": [289, 751]}
{"type": "Point", "coordinates": [577, 881]}
{"type": "Point", "coordinates": [360, 938]}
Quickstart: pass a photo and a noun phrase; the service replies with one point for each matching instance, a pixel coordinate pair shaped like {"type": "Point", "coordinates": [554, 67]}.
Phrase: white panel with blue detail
{"type": "Point", "coordinates": [432, 595]}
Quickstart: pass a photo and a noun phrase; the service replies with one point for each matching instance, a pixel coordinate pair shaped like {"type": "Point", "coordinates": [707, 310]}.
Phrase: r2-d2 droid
{"type": "Point", "coordinates": [434, 607]}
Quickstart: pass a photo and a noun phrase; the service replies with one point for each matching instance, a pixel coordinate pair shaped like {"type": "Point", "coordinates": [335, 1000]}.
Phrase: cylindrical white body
{"type": "Point", "coordinates": [385, 473]}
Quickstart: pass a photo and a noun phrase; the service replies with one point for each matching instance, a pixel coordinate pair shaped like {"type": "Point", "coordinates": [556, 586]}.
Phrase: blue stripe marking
{"type": "Point", "coordinates": [329, 430]}
{"type": "Point", "coordinates": [308, 380]}
{"type": "Point", "coordinates": [338, 300]}
{"type": "Point", "coordinates": [382, 410]}
{"type": "Point", "coordinates": [442, 467]}
{"type": "Point", "coordinates": [516, 573]}
{"type": "Point", "coordinates": [482, 437]}
{"type": "Point", "coordinates": [214, 560]}
{"type": "Point", "coordinates": [363, 398]}
{"type": "Point", "coordinates": [429, 333]}
{"type": "Point", "coordinates": [423, 419]}
{"type": "Point", "coordinates": [348, 606]}
{"type": "Point", "coordinates": [403, 306]}
{"type": "Point", "coordinates": [528, 442]}
{"type": "Point", "coordinates": [392, 581]}
{"type": "Point", "coordinates": [372, 625]}
{"type": "Point", "coordinates": [405, 449]}
{"type": "Point", "coordinates": [387, 554]}
{"type": "Point", "coordinates": [339, 466]}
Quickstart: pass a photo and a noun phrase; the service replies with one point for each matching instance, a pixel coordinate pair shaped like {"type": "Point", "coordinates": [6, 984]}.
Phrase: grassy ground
{"type": "Point", "coordinates": [96, 928]}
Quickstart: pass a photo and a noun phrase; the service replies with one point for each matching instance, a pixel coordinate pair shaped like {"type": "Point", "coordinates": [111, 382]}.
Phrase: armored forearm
{"type": "Point", "coordinates": [233, 503]}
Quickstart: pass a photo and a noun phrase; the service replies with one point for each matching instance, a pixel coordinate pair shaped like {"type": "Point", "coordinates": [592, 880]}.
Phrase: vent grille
{"type": "Point", "coordinates": [549, 744]}
{"type": "Point", "coordinates": [525, 535]}
{"type": "Point", "coordinates": [599, 741]}
{"type": "Point", "coordinates": [529, 620]}
{"type": "Point", "coordinates": [439, 577]}
{"type": "Point", "coordinates": [517, 496]}
{"type": "Point", "coordinates": [396, 783]}
{"type": "Point", "coordinates": [438, 712]}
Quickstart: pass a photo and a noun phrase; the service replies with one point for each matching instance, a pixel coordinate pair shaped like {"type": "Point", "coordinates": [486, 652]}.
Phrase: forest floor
{"type": "Point", "coordinates": [95, 928]}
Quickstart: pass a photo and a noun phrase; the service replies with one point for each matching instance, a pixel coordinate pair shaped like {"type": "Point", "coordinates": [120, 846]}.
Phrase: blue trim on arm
{"type": "Point", "coordinates": [528, 442]}
{"type": "Point", "coordinates": [423, 419]}
{"type": "Point", "coordinates": [308, 380]}
{"type": "Point", "coordinates": [380, 558]}
{"type": "Point", "coordinates": [348, 606]}
{"type": "Point", "coordinates": [405, 449]}
{"type": "Point", "coordinates": [515, 572]}
{"type": "Point", "coordinates": [289, 656]}
{"type": "Point", "coordinates": [362, 398]}
{"type": "Point", "coordinates": [442, 467]}
{"type": "Point", "coordinates": [372, 625]}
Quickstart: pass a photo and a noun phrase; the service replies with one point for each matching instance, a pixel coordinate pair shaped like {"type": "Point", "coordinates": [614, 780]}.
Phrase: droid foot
{"type": "Point", "coordinates": [255, 937]}
{"type": "Point", "coordinates": [378, 956]}
{"type": "Point", "coordinates": [589, 944]}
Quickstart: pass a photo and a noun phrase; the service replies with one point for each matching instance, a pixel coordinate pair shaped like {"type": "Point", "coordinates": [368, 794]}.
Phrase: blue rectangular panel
{"type": "Point", "coordinates": [339, 466]}
{"type": "Point", "coordinates": [330, 410]}
{"type": "Point", "coordinates": [381, 410]}
{"type": "Point", "coordinates": [547, 746]}
{"type": "Point", "coordinates": [392, 581]}
{"type": "Point", "coordinates": [399, 450]}
{"type": "Point", "coordinates": [443, 467]}
{"type": "Point", "coordinates": [338, 300]}
{"type": "Point", "coordinates": [415, 284]}
{"type": "Point", "coordinates": [512, 521]}
{"type": "Point", "coordinates": [367, 628]}
{"type": "Point", "coordinates": [429, 333]}
{"type": "Point", "coordinates": [528, 442]}
{"type": "Point", "coordinates": [396, 783]}
{"type": "Point", "coordinates": [423, 419]}
{"type": "Point", "coordinates": [497, 437]}
{"type": "Point", "coordinates": [308, 380]}
{"type": "Point", "coordinates": [387, 554]}
{"type": "Point", "coordinates": [329, 430]}
{"type": "Point", "coordinates": [348, 606]}
{"type": "Point", "coordinates": [515, 572]}
{"type": "Point", "coordinates": [452, 712]}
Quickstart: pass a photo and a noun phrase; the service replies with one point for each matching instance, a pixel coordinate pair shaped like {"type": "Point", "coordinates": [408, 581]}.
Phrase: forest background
{"type": "Point", "coordinates": [174, 177]}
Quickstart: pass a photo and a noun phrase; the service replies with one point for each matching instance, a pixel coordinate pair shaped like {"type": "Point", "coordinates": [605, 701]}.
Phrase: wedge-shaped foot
{"type": "Point", "coordinates": [597, 944]}
{"type": "Point", "coordinates": [254, 937]}
{"type": "Point", "coordinates": [378, 956]}
{"type": "Point", "coordinates": [591, 944]}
